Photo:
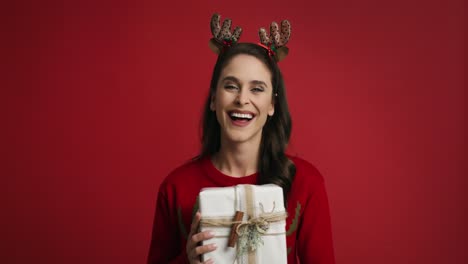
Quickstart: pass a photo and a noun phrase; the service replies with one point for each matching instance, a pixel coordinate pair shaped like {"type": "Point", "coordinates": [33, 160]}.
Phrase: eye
{"type": "Point", "coordinates": [257, 89]}
{"type": "Point", "coordinates": [230, 87]}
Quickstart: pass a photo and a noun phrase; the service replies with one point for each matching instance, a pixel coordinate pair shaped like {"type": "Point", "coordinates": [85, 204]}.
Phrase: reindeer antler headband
{"type": "Point", "coordinates": [275, 43]}
{"type": "Point", "coordinates": [222, 37]}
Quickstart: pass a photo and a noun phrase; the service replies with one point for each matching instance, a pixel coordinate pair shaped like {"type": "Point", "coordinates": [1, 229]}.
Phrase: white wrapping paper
{"type": "Point", "coordinates": [224, 202]}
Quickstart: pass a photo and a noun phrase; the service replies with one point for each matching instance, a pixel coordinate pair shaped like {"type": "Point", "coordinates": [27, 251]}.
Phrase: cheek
{"type": "Point", "coordinates": [223, 100]}
{"type": "Point", "coordinates": [219, 117]}
{"type": "Point", "coordinates": [266, 106]}
{"type": "Point", "coordinates": [219, 107]}
{"type": "Point", "coordinates": [264, 109]}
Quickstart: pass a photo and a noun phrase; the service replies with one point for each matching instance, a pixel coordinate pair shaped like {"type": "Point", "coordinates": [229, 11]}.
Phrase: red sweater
{"type": "Point", "coordinates": [308, 229]}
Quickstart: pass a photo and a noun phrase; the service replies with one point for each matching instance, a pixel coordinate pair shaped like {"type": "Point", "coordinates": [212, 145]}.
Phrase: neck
{"type": "Point", "coordinates": [237, 159]}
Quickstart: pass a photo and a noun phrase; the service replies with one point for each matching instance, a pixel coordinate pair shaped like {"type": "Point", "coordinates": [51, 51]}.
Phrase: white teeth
{"type": "Point", "coordinates": [239, 115]}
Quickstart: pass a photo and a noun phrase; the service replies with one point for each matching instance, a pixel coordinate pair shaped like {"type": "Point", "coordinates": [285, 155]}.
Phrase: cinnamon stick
{"type": "Point", "coordinates": [233, 235]}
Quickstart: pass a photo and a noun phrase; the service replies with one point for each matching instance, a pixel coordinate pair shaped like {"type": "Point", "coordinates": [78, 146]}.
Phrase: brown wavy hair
{"type": "Point", "coordinates": [274, 166]}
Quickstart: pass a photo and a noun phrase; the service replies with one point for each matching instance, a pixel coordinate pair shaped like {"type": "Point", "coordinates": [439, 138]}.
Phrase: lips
{"type": "Point", "coordinates": [241, 118]}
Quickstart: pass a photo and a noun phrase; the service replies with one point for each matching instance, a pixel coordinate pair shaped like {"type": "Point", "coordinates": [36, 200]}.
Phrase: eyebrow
{"type": "Point", "coordinates": [234, 79]}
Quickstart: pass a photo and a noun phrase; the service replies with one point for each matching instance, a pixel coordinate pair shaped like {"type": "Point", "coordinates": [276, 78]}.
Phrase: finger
{"type": "Point", "coordinates": [208, 261]}
{"type": "Point", "coordinates": [193, 230]}
{"type": "Point", "coordinates": [195, 224]}
{"type": "Point", "coordinates": [196, 253]}
{"type": "Point", "coordinates": [205, 235]}
{"type": "Point", "coordinates": [200, 250]}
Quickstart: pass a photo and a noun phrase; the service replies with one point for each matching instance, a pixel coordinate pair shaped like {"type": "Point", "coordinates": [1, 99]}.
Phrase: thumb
{"type": "Point", "coordinates": [195, 223]}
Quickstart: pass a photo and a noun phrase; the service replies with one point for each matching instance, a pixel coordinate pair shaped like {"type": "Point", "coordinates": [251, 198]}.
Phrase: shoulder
{"type": "Point", "coordinates": [308, 183]}
{"type": "Point", "coordinates": [306, 170]}
{"type": "Point", "coordinates": [183, 174]}
{"type": "Point", "coordinates": [307, 180]}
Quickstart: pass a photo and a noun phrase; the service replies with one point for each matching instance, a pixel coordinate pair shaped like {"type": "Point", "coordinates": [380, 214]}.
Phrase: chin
{"type": "Point", "coordinates": [240, 137]}
{"type": "Point", "coordinates": [237, 138]}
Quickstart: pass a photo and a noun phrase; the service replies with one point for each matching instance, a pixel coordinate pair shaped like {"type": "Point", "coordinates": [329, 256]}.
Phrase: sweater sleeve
{"type": "Point", "coordinates": [165, 239]}
{"type": "Point", "coordinates": [315, 243]}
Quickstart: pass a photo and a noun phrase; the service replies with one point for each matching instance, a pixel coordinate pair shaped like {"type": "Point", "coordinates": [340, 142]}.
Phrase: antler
{"type": "Point", "coordinates": [277, 40]}
{"type": "Point", "coordinates": [222, 36]}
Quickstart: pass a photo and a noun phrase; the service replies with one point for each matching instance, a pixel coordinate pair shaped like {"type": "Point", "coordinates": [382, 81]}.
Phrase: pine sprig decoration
{"type": "Point", "coordinates": [249, 240]}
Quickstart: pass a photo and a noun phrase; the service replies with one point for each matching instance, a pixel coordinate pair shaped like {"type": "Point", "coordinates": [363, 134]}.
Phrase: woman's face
{"type": "Point", "coordinates": [243, 99]}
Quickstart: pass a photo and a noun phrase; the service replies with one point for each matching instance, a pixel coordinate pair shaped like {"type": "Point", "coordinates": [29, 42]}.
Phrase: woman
{"type": "Point", "coordinates": [246, 128]}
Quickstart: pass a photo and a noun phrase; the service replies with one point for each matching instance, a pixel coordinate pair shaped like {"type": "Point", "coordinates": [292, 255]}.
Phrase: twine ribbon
{"type": "Point", "coordinates": [261, 223]}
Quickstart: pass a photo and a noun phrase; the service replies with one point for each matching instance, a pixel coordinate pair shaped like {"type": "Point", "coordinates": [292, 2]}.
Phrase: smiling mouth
{"type": "Point", "coordinates": [241, 119]}
{"type": "Point", "coordinates": [241, 116]}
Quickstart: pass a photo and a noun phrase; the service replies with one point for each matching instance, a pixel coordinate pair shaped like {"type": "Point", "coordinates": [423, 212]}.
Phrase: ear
{"type": "Point", "coordinates": [212, 103]}
{"type": "Point", "coordinates": [271, 110]}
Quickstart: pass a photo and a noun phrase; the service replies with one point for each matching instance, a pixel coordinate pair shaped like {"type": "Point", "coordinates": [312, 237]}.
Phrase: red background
{"type": "Point", "coordinates": [100, 100]}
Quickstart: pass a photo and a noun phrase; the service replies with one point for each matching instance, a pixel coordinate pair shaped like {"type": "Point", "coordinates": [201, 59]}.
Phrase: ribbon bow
{"type": "Point", "coordinates": [250, 232]}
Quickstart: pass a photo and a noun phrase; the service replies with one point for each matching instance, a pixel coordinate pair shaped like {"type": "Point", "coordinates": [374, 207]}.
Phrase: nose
{"type": "Point", "coordinates": [242, 97]}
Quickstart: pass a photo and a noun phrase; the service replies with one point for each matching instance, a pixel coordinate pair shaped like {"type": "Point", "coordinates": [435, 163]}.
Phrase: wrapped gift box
{"type": "Point", "coordinates": [255, 201]}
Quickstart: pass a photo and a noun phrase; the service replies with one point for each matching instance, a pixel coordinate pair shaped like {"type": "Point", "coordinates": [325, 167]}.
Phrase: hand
{"type": "Point", "coordinates": [194, 248]}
